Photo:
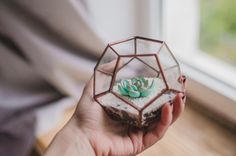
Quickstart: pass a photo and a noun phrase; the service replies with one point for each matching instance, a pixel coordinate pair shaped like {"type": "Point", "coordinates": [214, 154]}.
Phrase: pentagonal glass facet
{"type": "Point", "coordinates": [134, 78]}
{"type": "Point", "coordinates": [144, 46]}
{"type": "Point", "coordinates": [139, 68]}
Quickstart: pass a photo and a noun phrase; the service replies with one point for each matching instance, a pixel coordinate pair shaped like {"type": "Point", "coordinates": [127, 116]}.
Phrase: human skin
{"type": "Point", "coordinates": [91, 132]}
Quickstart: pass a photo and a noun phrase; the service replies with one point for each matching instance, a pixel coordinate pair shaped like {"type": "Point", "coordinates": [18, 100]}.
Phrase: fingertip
{"type": "Point", "coordinates": [181, 97]}
{"type": "Point", "coordinates": [183, 80]}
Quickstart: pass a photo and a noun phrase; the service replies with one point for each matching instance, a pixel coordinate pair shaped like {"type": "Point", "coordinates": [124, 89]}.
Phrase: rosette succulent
{"type": "Point", "coordinates": [136, 87]}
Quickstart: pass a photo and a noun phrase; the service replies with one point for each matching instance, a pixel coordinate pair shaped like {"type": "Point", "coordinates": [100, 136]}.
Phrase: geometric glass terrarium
{"type": "Point", "coordinates": [134, 78]}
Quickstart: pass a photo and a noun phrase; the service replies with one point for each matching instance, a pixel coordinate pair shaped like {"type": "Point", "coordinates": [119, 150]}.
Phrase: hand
{"type": "Point", "coordinates": [109, 137]}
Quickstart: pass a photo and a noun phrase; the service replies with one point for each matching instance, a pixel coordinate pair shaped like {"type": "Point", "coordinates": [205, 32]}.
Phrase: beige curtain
{"type": "Point", "coordinates": [57, 36]}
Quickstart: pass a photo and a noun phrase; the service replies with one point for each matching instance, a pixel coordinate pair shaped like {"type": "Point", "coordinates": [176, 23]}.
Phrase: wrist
{"type": "Point", "coordinates": [71, 140]}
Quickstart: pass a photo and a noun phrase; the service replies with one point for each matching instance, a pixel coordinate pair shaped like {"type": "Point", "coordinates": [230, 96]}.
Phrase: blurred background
{"type": "Point", "coordinates": [48, 49]}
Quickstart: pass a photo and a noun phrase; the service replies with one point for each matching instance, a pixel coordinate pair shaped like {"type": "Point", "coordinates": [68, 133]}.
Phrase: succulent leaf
{"type": "Point", "coordinates": [134, 94]}
{"type": "Point", "coordinates": [138, 83]}
{"type": "Point", "coordinates": [136, 87]}
{"type": "Point", "coordinates": [122, 90]}
{"type": "Point", "coordinates": [124, 83]}
{"type": "Point", "coordinates": [145, 83]}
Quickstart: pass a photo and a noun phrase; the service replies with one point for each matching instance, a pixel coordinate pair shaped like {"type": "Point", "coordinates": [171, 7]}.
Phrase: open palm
{"type": "Point", "coordinates": [109, 137]}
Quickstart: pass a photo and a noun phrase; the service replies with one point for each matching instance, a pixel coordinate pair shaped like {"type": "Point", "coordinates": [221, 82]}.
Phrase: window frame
{"type": "Point", "coordinates": [211, 81]}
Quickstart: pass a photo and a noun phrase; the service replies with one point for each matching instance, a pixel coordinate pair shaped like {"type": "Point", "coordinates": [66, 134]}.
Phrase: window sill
{"type": "Point", "coordinates": [212, 83]}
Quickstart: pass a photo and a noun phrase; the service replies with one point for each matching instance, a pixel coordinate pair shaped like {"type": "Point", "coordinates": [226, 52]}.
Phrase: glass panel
{"type": "Point", "coordinates": [166, 58]}
{"type": "Point", "coordinates": [218, 29]}
{"type": "Point", "coordinates": [108, 61]}
{"type": "Point", "coordinates": [124, 48]}
{"type": "Point", "coordinates": [152, 110]}
{"type": "Point", "coordinates": [102, 82]}
{"type": "Point", "coordinates": [172, 76]}
{"type": "Point", "coordinates": [118, 108]}
{"type": "Point", "coordinates": [147, 46]}
{"type": "Point", "coordinates": [110, 100]}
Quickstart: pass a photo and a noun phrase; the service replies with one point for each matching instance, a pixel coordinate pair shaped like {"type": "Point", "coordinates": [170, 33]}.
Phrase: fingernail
{"type": "Point", "coordinates": [181, 94]}
{"type": "Point", "coordinates": [183, 78]}
{"type": "Point", "coordinates": [170, 103]}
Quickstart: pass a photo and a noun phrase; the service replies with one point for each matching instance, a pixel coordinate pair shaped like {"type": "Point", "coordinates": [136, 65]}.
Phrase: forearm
{"type": "Point", "coordinates": [70, 141]}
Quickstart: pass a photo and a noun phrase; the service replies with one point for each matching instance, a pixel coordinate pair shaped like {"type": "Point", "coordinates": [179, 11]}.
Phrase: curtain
{"type": "Point", "coordinates": [48, 48]}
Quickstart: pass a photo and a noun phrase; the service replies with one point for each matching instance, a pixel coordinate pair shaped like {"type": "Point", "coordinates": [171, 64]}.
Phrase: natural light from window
{"type": "Point", "coordinates": [218, 29]}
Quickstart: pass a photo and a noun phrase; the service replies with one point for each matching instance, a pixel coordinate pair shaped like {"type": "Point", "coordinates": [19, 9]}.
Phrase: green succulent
{"type": "Point", "coordinates": [136, 87]}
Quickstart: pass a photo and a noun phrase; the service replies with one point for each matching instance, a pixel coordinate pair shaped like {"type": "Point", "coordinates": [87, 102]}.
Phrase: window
{"type": "Point", "coordinates": [189, 28]}
{"type": "Point", "coordinates": [211, 80]}
{"type": "Point", "coordinates": [218, 29]}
